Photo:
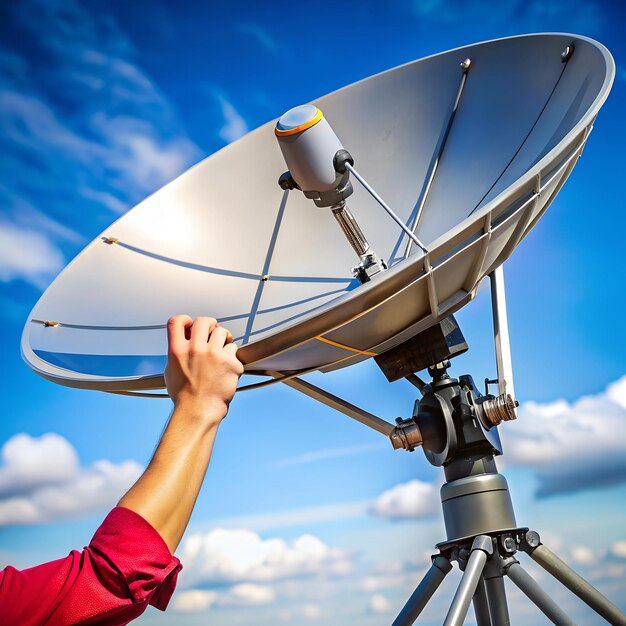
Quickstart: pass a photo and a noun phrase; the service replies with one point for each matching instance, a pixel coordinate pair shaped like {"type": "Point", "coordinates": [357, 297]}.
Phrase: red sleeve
{"type": "Point", "coordinates": [126, 566]}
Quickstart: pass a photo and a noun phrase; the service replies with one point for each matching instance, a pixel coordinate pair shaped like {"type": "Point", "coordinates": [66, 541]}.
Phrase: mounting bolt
{"type": "Point", "coordinates": [340, 159]}
{"type": "Point", "coordinates": [567, 53]}
{"type": "Point", "coordinates": [465, 65]}
{"type": "Point", "coordinates": [509, 545]}
{"type": "Point", "coordinates": [532, 539]}
{"type": "Point", "coordinates": [286, 182]}
{"type": "Point", "coordinates": [110, 240]}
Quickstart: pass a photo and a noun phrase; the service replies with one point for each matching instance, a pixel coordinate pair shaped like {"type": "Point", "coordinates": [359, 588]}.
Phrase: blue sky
{"type": "Point", "coordinates": [103, 102]}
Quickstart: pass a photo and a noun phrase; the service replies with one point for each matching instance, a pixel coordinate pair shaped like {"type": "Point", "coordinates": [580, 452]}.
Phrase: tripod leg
{"type": "Point", "coordinates": [481, 605]}
{"type": "Point", "coordinates": [496, 596]}
{"type": "Point", "coordinates": [481, 547]}
{"type": "Point", "coordinates": [538, 596]}
{"type": "Point", "coordinates": [578, 585]}
{"type": "Point", "coordinates": [427, 587]}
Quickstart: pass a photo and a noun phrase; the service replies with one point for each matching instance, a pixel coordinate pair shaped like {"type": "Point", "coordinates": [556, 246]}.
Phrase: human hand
{"type": "Point", "coordinates": [202, 367]}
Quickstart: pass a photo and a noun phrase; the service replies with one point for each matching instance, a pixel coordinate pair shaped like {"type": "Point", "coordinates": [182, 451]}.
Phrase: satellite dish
{"type": "Point", "coordinates": [468, 147]}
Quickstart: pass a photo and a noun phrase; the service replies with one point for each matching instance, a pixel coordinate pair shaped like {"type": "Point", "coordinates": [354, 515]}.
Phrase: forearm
{"type": "Point", "coordinates": [167, 491]}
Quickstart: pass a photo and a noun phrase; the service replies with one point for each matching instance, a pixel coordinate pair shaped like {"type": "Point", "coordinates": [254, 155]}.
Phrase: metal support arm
{"type": "Point", "coordinates": [538, 596]}
{"type": "Point", "coordinates": [341, 405]}
{"type": "Point", "coordinates": [504, 364]}
{"type": "Point", "coordinates": [481, 549]}
{"type": "Point", "coordinates": [420, 597]}
{"type": "Point", "coordinates": [405, 434]}
{"type": "Point", "coordinates": [578, 585]}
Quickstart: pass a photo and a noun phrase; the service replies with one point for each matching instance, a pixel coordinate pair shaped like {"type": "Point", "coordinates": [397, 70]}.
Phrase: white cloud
{"type": "Point", "coordinates": [194, 600]}
{"type": "Point", "coordinates": [243, 556]}
{"type": "Point", "coordinates": [395, 574]}
{"type": "Point", "coordinates": [295, 615]}
{"type": "Point", "coordinates": [41, 480]}
{"type": "Point", "coordinates": [383, 581]}
{"type": "Point", "coordinates": [571, 446]}
{"type": "Point", "coordinates": [379, 604]}
{"type": "Point", "coordinates": [201, 600]}
{"type": "Point", "coordinates": [28, 255]}
{"type": "Point", "coordinates": [237, 568]}
{"type": "Point", "coordinates": [235, 126]}
{"type": "Point", "coordinates": [248, 594]}
{"type": "Point", "coordinates": [29, 462]}
{"type": "Point", "coordinates": [407, 500]}
{"type": "Point", "coordinates": [582, 555]}
{"type": "Point", "coordinates": [311, 611]}
{"type": "Point", "coordinates": [618, 549]}
{"type": "Point", "coordinates": [385, 575]}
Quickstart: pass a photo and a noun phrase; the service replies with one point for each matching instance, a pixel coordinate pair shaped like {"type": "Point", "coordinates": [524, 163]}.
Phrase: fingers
{"type": "Point", "coordinates": [231, 349]}
{"type": "Point", "coordinates": [176, 333]}
{"type": "Point", "coordinates": [219, 338]}
{"type": "Point", "coordinates": [200, 332]}
{"type": "Point", "coordinates": [184, 333]}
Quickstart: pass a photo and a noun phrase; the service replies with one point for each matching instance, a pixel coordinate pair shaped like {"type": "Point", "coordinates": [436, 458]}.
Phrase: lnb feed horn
{"type": "Point", "coordinates": [309, 146]}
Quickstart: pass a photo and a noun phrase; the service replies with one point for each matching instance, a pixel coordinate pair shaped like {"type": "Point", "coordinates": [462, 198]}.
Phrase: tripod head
{"type": "Point", "coordinates": [454, 423]}
{"type": "Point", "coordinates": [451, 421]}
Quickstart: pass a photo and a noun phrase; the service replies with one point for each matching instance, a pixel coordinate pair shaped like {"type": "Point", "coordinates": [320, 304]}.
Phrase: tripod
{"type": "Point", "coordinates": [456, 427]}
{"type": "Point", "coordinates": [482, 535]}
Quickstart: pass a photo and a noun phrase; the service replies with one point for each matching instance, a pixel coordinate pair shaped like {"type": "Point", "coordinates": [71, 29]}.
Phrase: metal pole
{"type": "Point", "coordinates": [501, 333]}
{"type": "Point", "coordinates": [435, 162]}
{"type": "Point", "coordinates": [481, 605]}
{"type": "Point", "coordinates": [427, 587]}
{"type": "Point", "coordinates": [341, 405]}
{"type": "Point", "coordinates": [538, 596]}
{"type": "Point", "coordinates": [578, 585]}
{"type": "Point", "coordinates": [351, 230]}
{"type": "Point", "coordinates": [473, 571]}
{"type": "Point", "coordinates": [385, 206]}
{"type": "Point", "coordinates": [496, 596]}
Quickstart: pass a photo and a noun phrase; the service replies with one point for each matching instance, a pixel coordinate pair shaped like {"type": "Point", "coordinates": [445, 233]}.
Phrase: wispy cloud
{"type": "Point", "coordinates": [260, 35]}
{"type": "Point", "coordinates": [28, 255]}
{"type": "Point", "coordinates": [235, 126]}
{"type": "Point", "coordinates": [304, 516]}
{"type": "Point", "coordinates": [92, 131]}
{"type": "Point", "coordinates": [528, 15]}
{"type": "Point", "coordinates": [30, 249]}
{"type": "Point", "coordinates": [331, 453]}
{"type": "Point", "coordinates": [42, 480]}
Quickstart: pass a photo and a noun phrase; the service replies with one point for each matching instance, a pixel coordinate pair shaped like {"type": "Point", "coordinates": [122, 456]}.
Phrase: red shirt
{"type": "Point", "coordinates": [126, 566]}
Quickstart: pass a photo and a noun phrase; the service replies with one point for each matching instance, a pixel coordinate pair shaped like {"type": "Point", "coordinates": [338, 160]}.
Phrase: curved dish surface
{"type": "Point", "coordinates": [224, 240]}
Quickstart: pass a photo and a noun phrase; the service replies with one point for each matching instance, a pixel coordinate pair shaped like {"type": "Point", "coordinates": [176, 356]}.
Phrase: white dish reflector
{"type": "Point", "coordinates": [224, 240]}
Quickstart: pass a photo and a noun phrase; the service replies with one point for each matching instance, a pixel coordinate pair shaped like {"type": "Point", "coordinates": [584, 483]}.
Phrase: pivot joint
{"type": "Point", "coordinates": [406, 435]}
